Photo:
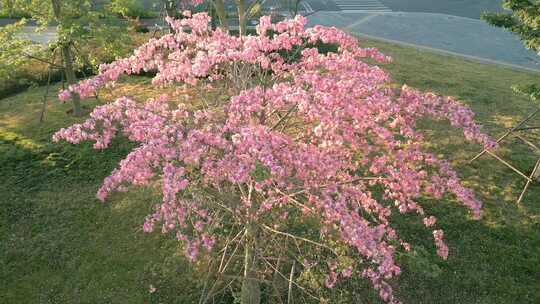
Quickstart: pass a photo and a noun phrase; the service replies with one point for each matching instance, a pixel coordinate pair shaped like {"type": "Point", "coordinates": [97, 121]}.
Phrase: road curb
{"type": "Point", "coordinates": [449, 53]}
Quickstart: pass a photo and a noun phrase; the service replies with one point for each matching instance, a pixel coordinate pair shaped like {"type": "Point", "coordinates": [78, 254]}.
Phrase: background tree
{"type": "Point", "coordinates": [130, 9]}
{"type": "Point", "coordinates": [523, 20]}
{"type": "Point", "coordinates": [81, 28]}
{"type": "Point", "coordinates": [292, 6]}
{"type": "Point", "coordinates": [245, 10]}
{"type": "Point", "coordinates": [12, 46]}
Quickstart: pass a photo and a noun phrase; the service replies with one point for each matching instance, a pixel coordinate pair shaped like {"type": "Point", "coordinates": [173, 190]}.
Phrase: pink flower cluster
{"type": "Point", "coordinates": [324, 127]}
{"type": "Point", "coordinates": [196, 52]}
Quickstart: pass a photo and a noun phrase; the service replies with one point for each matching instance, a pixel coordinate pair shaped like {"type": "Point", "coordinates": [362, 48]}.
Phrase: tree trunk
{"type": "Point", "coordinates": [170, 8]}
{"type": "Point", "coordinates": [9, 8]}
{"type": "Point", "coordinates": [219, 6]}
{"type": "Point", "coordinates": [242, 22]}
{"type": "Point", "coordinates": [251, 291]}
{"type": "Point", "coordinates": [71, 78]}
{"type": "Point", "coordinates": [296, 8]}
{"type": "Point", "coordinates": [67, 59]}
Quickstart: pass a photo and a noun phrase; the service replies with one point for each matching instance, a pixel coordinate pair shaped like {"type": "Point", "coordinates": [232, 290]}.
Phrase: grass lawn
{"type": "Point", "coordinates": [58, 244]}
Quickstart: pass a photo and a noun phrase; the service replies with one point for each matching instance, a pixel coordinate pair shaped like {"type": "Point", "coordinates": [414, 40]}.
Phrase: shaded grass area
{"type": "Point", "coordinates": [494, 260]}
{"type": "Point", "coordinates": [58, 244]}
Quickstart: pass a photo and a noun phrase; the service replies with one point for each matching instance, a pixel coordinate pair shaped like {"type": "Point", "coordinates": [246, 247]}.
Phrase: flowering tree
{"type": "Point", "coordinates": [521, 18]}
{"type": "Point", "coordinates": [278, 135]}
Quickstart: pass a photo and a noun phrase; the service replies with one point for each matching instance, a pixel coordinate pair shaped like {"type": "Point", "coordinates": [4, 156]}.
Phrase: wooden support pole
{"type": "Point", "coordinates": [505, 135]}
{"type": "Point", "coordinates": [509, 165]}
{"type": "Point", "coordinates": [533, 174]}
{"type": "Point", "coordinates": [535, 147]}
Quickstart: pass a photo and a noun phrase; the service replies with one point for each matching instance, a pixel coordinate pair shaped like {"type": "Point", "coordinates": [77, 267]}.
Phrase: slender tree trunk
{"type": "Point", "coordinates": [171, 8]}
{"type": "Point", "coordinates": [170, 11]}
{"type": "Point", "coordinates": [296, 8]}
{"type": "Point", "coordinates": [71, 78]}
{"type": "Point", "coordinates": [9, 8]}
{"type": "Point", "coordinates": [242, 22]}
{"type": "Point", "coordinates": [211, 8]}
{"type": "Point", "coordinates": [219, 6]}
{"type": "Point", "coordinates": [67, 59]}
{"type": "Point", "coordinates": [251, 291]}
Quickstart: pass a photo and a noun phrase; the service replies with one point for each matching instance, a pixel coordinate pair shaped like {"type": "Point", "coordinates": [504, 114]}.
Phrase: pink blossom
{"type": "Point", "coordinates": [442, 248]}
{"type": "Point", "coordinates": [430, 221]}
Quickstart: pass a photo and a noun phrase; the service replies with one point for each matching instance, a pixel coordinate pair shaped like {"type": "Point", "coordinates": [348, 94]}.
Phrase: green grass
{"type": "Point", "coordinates": [58, 244]}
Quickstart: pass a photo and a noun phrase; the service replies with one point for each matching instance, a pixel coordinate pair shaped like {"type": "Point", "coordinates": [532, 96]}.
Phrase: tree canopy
{"type": "Point", "coordinates": [523, 19]}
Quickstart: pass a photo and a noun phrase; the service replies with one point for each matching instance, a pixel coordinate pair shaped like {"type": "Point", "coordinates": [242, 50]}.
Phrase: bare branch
{"type": "Point", "coordinates": [221, 269]}
{"type": "Point", "coordinates": [287, 279]}
{"type": "Point", "coordinates": [234, 251]}
{"type": "Point", "coordinates": [42, 60]}
{"type": "Point", "coordinates": [283, 117]}
{"type": "Point", "coordinates": [298, 238]}
{"type": "Point", "coordinates": [289, 296]}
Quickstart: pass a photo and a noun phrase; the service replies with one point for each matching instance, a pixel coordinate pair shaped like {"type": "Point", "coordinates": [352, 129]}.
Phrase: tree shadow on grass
{"type": "Point", "coordinates": [493, 260]}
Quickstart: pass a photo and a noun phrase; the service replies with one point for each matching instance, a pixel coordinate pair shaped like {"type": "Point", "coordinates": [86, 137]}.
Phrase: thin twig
{"type": "Point", "coordinates": [289, 296]}
{"type": "Point", "coordinates": [42, 60]}
{"type": "Point", "coordinates": [229, 241]}
{"type": "Point", "coordinates": [45, 96]}
{"type": "Point", "coordinates": [234, 251]}
{"type": "Point", "coordinates": [212, 294]}
{"type": "Point", "coordinates": [287, 279]}
{"type": "Point", "coordinates": [299, 238]}
{"type": "Point", "coordinates": [283, 117]}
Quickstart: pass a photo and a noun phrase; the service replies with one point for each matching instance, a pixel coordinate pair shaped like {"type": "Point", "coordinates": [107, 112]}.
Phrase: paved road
{"type": "Point", "coordinates": [462, 8]}
{"type": "Point", "coordinates": [44, 37]}
{"type": "Point", "coordinates": [451, 26]}
{"type": "Point", "coordinates": [361, 5]}
{"type": "Point", "coordinates": [467, 37]}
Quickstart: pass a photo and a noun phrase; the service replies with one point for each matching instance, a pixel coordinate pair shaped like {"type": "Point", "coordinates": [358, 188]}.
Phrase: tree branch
{"type": "Point", "coordinates": [299, 238]}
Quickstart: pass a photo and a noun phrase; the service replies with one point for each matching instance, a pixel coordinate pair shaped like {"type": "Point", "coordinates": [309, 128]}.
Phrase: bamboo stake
{"type": "Point", "coordinates": [289, 296]}
{"type": "Point", "coordinates": [533, 173]}
{"type": "Point", "coordinates": [509, 165]}
{"type": "Point", "coordinates": [505, 135]}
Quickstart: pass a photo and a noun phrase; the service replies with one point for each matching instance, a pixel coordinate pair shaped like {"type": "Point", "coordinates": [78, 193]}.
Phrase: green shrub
{"type": "Point", "coordinates": [130, 9]}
